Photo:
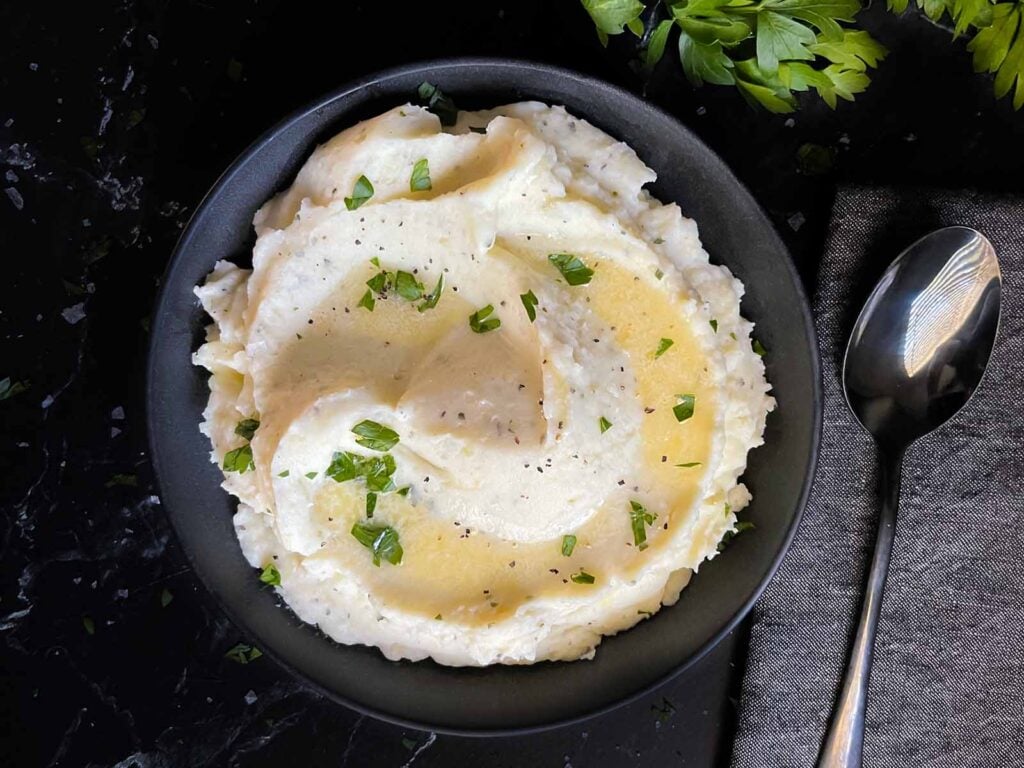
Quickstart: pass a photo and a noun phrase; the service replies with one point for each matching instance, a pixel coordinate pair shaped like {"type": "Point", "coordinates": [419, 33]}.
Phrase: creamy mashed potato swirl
{"type": "Point", "coordinates": [548, 480]}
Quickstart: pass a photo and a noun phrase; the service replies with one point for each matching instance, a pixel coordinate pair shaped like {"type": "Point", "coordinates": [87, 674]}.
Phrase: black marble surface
{"type": "Point", "coordinates": [114, 119]}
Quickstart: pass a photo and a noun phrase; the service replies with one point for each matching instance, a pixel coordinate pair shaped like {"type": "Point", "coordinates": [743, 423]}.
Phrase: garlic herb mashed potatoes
{"type": "Point", "coordinates": [481, 397]}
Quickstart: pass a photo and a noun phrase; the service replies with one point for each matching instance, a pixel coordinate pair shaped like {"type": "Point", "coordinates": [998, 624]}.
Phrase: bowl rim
{"type": "Point", "coordinates": [426, 67]}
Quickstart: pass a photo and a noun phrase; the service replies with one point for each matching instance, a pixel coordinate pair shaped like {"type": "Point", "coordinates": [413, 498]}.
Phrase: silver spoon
{"type": "Point", "coordinates": [916, 355]}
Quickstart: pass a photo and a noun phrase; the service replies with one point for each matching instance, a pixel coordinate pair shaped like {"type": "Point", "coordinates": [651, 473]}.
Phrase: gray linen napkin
{"type": "Point", "coordinates": [947, 686]}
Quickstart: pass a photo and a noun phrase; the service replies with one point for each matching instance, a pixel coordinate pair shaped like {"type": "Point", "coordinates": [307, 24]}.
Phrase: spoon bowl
{"type": "Point", "coordinates": [917, 353]}
{"type": "Point", "coordinates": [921, 344]}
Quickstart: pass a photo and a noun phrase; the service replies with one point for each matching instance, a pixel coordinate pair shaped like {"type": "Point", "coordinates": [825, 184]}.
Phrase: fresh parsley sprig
{"type": "Point", "coordinates": [769, 49]}
{"type": "Point", "coordinates": [773, 49]}
{"type": "Point", "coordinates": [998, 41]}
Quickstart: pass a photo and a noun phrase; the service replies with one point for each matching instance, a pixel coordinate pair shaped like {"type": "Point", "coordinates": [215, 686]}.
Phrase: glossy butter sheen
{"type": "Point", "coordinates": [501, 444]}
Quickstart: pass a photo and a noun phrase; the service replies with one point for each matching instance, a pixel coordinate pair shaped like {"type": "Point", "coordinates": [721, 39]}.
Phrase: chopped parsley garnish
{"type": "Point", "coordinates": [404, 284]}
{"type": "Point", "coordinates": [568, 544]}
{"type": "Point", "coordinates": [247, 428]}
{"type": "Point", "coordinates": [684, 408]}
{"type": "Point", "coordinates": [420, 179]}
{"type": "Point", "coordinates": [375, 470]}
{"type": "Point", "coordinates": [663, 347]}
{"type": "Point", "coordinates": [714, 324]}
{"type": "Point", "coordinates": [530, 303]}
{"type": "Point", "coordinates": [375, 436]}
{"type": "Point", "coordinates": [572, 268]}
{"type": "Point", "coordinates": [480, 323]}
{"type": "Point", "coordinates": [361, 192]}
{"type": "Point", "coordinates": [431, 299]}
{"type": "Point", "coordinates": [243, 653]}
{"type": "Point", "coordinates": [239, 460]}
{"type": "Point", "coordinates": [371, 503]}
{"type": "Point", "coordinates": [122, 479]}
{"type": "Point", "coordinates": [408, 287]}
{"type": "Point", "coordinates": [639, 519]}
{"type": "Point", "coordinates": [9, 388]}
{"type": "Point", "coordinates": [758, 348]}
{"type": "Point", "coordinates": [284, 474]}
{"type": "Point", "coordinates": [658, 274]}
{"type": "Point", "coordinates": [604, 424]}
{"type": "Point", "coordinates": [438, 103]}
{"type": "Point", "coordinates": [166, 598]}
{"type": "Point", "coordinates": [381, 540]}
{"type": "Point", "coordinates": [311, 475]}
{"type": "Point", "coordinates": [375, 261]}
{"type": "Point", "coordinates": [665, 711]}
{"type": "Point", "coordinates": [741, 526]}
{"type": "Point", "coordinates": [381, 282]}
{"type": "Point", "coordinates": [582, 578]}
{"type": "Point", "coordinates": [689, 464]}
{"type": "Point", "coordinates": [403, 491]}
{"type": "Point", "coordinates": [367, 301]}
{"type": "Point", "coordinates": [270, 575]}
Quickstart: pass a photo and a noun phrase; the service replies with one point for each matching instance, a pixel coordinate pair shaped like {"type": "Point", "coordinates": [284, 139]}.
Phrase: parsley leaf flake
{"type": "Point", "coordinates": [568, 544]}
{"type": "Point", "coordinates": [530, 303]}
{"type": "Point", "coordinates": [639, 519]}
{"type": "Point", "coordinates": [684, 408]}
{"type": "Point", "coordinates": [367, 301]}
{"type": "Point", "coordinates": [247, 428]}
{"type": "Point", "coordinates": [438, 102]}
{"type": "Point", "coordinates": [572, 268]}
{"type": "Point", "coordinates": [431, 299]}
{"type": "Point", "coordinates": [239, 460]}
{"type": "Point", "coordinates": [381, 540]}
{"type": "Point", "coordinates": [408, 287]}
{"type": "Point", "coordinates": [582, 578]}
{"type": "Point", "coordinates": [270, 575]}
{"type": "Point", "coordinates": [482, 322]}
{"type": "Point", "coordinates": [361, 192]}
{"type": "Point", "coordinates": [243, 653]}
{"type": "Point", "coordinates": [375, 436]}
{"type": "Point", "coordinates": [420, 179]}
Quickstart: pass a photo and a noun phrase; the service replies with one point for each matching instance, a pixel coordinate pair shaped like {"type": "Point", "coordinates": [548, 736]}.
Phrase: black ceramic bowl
{"type": "Point", "coordinates": [423, 694]}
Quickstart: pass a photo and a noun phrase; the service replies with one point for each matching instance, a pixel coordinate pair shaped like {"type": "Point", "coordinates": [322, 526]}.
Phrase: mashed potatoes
{"type": "Point", "coordinates": [481, 397]}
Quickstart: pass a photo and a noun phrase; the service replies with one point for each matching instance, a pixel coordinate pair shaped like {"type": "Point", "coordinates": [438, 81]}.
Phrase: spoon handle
{"type": "Point", "coordinates": [846, 734]}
